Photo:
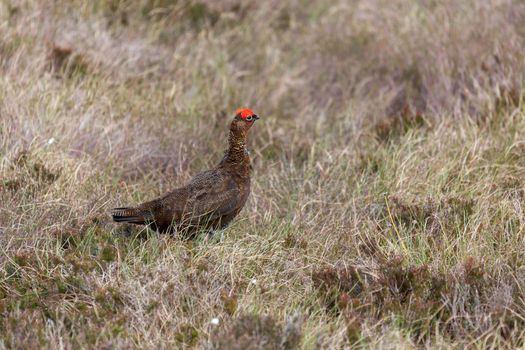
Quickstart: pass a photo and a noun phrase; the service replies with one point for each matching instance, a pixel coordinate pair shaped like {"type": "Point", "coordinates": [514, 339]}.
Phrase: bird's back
{"type": "Point", "coordinates": [210, 200]}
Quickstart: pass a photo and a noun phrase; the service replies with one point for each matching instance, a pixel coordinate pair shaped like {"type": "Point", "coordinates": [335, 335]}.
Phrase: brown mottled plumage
{"type": "Point", "coordinates": [211, 199]}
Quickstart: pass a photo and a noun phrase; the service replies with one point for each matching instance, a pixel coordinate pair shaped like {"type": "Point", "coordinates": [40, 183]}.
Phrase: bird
{"type": "Point", "coordinates": [211, 199]}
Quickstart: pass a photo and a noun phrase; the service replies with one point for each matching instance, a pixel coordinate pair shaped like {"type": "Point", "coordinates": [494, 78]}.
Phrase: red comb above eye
{"type": "Point", "coordinates": [244, 112]}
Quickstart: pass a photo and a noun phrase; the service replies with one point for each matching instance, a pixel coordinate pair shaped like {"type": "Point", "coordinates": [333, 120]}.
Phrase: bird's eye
{"type": "Point", "coordinates": [249, 118]}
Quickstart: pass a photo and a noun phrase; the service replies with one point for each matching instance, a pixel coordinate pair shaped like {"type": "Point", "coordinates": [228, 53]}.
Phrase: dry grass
{"type": "Point", "coordinates": [386, 209]}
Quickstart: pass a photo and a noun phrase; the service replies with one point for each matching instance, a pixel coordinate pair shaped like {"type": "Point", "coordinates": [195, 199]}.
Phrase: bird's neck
{"type": "Point", "coordinates": [237, 152]}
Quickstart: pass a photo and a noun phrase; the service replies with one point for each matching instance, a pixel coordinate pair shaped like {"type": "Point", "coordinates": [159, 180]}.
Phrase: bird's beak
{"type": "Point", "coordinates": [255, 117]}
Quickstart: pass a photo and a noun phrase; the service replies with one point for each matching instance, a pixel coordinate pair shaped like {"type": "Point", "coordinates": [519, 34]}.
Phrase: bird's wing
{"type": "Point", "coordinates": [212, 194]}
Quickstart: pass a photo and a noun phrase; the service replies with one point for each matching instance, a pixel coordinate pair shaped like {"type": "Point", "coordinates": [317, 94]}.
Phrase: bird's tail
{"type": "Point", "coordinates": [129, 215]}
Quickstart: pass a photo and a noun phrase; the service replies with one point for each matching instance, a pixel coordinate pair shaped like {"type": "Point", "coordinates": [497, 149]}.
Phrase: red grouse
{"type": "Point", "coordinates": [211, 199]}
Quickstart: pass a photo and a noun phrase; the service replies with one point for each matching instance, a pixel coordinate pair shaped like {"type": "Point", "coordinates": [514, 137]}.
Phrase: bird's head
{"type": "Point", "coordinates": [244, 118]}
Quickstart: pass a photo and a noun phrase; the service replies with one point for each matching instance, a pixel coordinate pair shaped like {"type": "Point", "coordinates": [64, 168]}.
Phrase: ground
{"type": "Point", "coordinates": [388, 189]}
